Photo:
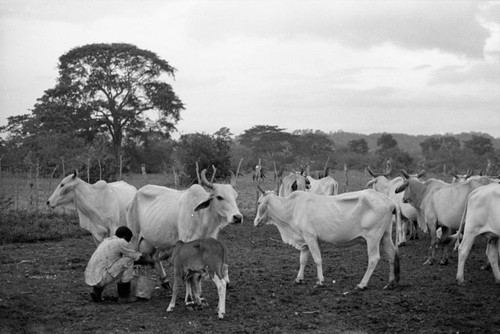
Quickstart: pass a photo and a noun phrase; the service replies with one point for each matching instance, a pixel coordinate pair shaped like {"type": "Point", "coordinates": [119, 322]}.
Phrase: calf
{"type": "Point", "coordinates": [196, 260]}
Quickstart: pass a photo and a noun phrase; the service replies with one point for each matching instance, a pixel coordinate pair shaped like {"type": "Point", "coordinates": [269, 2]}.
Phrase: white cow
{"type": "Point", "coordinates": [304, 218]}
{"type": "Point", "coordinates": [327, 186]}
{"type": "Point", "coordinates": [408, 214]}
{"type": "Point", "coordinates": [481, 216]}
{"type": "Point", "coordinates": [160, 216]}
{"type": "Point", "coordinates": [291, 183]}
{"type": "Point", "coordinates": [441, 204]}
{"type": "Point", "coordinates": [101, 206]}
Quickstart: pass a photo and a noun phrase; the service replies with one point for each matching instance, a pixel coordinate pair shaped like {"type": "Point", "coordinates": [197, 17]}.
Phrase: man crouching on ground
{"type": "Point", "coordinates": [112, 261]}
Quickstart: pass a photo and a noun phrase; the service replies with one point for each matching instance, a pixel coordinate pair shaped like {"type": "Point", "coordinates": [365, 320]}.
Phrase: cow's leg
{"type": "Point", "coordinates": [189, 300]}
{"type": "Point", "coordinates": [225, 273]}
{"type": "Point", "coordinates": [373, 247]}
{"type": "Point", "coordinates": [463, 253]}
{"type": "Point", "coordinates": [392, 255]}
{"type": "Point", "coordinates": [445, 246]}
{"type": "Point", "coordinates": [221, 289]}
{"type": "Point", "coordinates": [414, 230]}
{"type": "Point", "coordinates": [492, 252]}
{"type": "Point", "coordinates": [154, 255]}
{"type": "Point", "coordinates": [313, 246]}
{"type": "Point", "coordinates": [432, 233]}
{"type": "Point", "coordinates": [402, 231]}
{"type": "Point", "coordinates": [304, 256]}
{"type": "Point", "coordinates": [175, 290]}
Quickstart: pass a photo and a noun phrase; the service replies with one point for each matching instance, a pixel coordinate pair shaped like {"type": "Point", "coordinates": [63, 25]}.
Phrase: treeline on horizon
{"type": "Point", "coordinates": [97, 120]}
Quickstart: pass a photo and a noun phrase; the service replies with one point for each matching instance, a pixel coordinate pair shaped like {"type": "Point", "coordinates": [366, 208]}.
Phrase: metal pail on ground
{"type": "Point", "coordinates": [144, 285]}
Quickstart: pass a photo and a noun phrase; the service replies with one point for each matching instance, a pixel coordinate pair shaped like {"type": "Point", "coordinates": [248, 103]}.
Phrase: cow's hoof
{"type": "Point", "coordinates": [443, 262]}
{"type": "Point", "coordinates": [299, 281]}
{"type": "Point", "coordinates": [460, 282]}
{"type": "Point", "coordinates": [166, 285]}
{"type": "Point", "coordinates": [429, 262]}
{"type": "Point", "coordinates": [390, 285]}
{"type": "Point", "coordinates": [190, 306]}
{"type": "Point", "coordinates": [401, 244]}
{"type": "Point", "coordinates": [221, 316]}
{"type": "Point", "coordinates": [360, 288]}
{"type": "Point", "coordinates": [318, 285]}
{"type": "Point", "coordinates": [486, 266]}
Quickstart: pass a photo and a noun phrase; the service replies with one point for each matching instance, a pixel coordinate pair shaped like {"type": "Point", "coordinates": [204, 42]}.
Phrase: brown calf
{"type": "Point", "coordinates": [196, 260]}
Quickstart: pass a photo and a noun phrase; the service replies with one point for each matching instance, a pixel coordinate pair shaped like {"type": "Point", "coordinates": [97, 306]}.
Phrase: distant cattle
{"type": "Point", "coordinates": [160, 216]}
{"type": "Point", "coordinates": [303, 219]}
{"type": "Point", "coordinates": [291, 183]}
{"type": "Point", "coordinates": [101, 206]}
{"type": "Point", "coordinates": [196, 260]}
{"type": "Point", "coordinates": [409, 221]}
{"type": "Point", "coordinates": [481, 217]}
{"type": "Point", "coordinates": [441, 204]}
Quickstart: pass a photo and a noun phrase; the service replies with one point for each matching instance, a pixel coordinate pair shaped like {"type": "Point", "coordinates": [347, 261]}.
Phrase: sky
{"type": "Point", "coordinates": [415, 67]}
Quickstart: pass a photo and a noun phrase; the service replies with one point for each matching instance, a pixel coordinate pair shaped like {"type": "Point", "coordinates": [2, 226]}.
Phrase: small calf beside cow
{"type": "Point", "coordinates": [196, 260]}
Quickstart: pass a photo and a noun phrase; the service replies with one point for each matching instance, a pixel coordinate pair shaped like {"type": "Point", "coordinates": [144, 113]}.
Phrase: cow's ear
{"type": "Point", "coordinates": [401, 187]}
{"type": "Point", "coordinates": [203, 205]}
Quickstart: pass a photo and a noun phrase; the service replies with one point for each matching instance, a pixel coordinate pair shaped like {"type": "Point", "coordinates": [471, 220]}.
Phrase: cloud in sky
{"type": "Point", "coordinates": [418, 67]}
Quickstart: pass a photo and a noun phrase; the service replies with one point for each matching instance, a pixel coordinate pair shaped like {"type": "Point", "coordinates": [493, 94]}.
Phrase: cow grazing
{"type": "Point", "coordinates": [160, 216]}
{"type": "Point", "coordinates": [196, 260]}
{"type": "Point", "coordinates": [291, 183]}
{"type": "Point", "coordinates": [304, 218]}
{"type": "Point", "coordinates": [101, 206]}
{"type": "Point", "coordinates": [481, 216]}
{"type": "Point", "coordinates": [408, 214]}
{"type": "Point", "coordinates": [440, 204]}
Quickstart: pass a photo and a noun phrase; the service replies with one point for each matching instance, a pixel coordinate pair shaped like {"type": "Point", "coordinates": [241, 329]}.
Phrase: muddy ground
{"type": "Point", "coordinates": [43, 291]}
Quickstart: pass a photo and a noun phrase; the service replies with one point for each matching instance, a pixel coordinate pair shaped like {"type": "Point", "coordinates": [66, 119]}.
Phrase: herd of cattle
{"type": "Point", "coordinates": [184, 224]}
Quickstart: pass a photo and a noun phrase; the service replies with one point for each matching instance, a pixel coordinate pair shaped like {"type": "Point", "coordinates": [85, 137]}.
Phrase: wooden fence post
{"type": "Point", "coordinates": [346, 189]}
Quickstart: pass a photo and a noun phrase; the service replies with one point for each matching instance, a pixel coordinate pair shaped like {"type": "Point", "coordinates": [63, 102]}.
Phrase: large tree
{"type": "Point", "coordinates": [121, 86]}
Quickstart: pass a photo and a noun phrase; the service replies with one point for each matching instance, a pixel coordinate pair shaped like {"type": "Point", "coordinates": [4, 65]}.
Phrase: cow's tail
{"type": "Point", "coordinates": [391, 247]}
{"type": "Point", "coordinates": [133, 222]}
{"type": "Point", "coordinates": [396, 211]}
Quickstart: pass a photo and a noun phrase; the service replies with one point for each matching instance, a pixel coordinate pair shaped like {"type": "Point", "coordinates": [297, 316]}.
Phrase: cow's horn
{"type": "Point", "coordinates": [469, 173]}
{"type": "Point", "coordinates": [204, 179]}
{"type": "Point", "coordinates": [75, 174]}
{"type": "Point", "coordinates": [388, 169]}
{"type": "Point", "coordinates": [421, 173]}
{"type": "Point", "coordinates": [371, 172]}
{"type": "Point", "coordinates": [260, 188]}
{"type": "Point", "coordinates": [405, 174]}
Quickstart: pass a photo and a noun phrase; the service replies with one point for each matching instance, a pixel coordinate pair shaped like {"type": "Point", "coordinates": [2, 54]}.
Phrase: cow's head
{"type": "Point", "coordinates": [408, 186]}
{"type": "Point", "coordinates": [457, 178]}
{"type": "Point", "coordinates": [64, 193]}
{"type": "Point", "coordinates": [261, 217]}
{"type": "Point", "coordinates": [379, 181]}
{"type": "Point", "coordinates": [221, 201]}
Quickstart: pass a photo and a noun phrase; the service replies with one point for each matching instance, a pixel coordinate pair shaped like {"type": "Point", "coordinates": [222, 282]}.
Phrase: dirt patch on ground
{"type": "Point", "coordinates": [43, 291]}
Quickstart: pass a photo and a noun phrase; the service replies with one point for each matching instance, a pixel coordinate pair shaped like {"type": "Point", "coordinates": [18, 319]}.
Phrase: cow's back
{"type": "Point", "coordinates": [450, 201]}
{"type": "Point", "coordinates": [341, 217]}
{"type": "Point", "coordinates": [163, 215]}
